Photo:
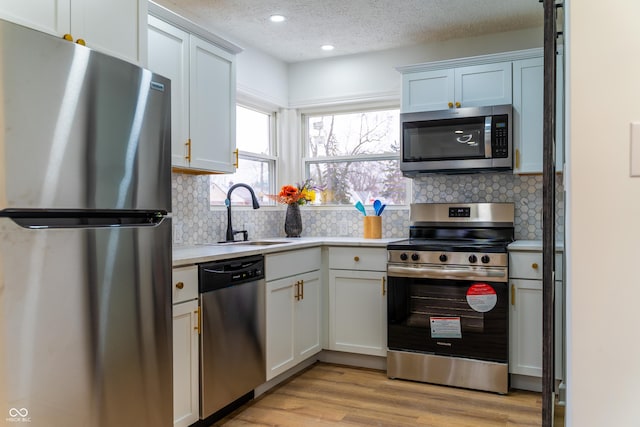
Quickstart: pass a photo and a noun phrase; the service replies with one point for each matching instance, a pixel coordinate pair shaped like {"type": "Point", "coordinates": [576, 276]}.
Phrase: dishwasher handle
{"type": "Point", "coordinates": [222, 274]}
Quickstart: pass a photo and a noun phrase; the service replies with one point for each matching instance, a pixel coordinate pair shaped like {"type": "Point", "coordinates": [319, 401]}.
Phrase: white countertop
{"type": "Point", "coordinates": [194, 254]}
{"type": "Point", "coordinates": [186, 255]}
{"type": "Point", "coordinates": [532, 245]}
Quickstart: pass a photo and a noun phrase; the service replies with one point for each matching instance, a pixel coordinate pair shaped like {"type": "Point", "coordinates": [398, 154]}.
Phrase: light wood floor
{"type": "Point", "coordinates": [329, 395]}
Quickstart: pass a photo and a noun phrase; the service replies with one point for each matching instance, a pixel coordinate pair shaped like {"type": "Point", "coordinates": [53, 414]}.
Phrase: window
{"type": "Point", "coordinates": [355, 157]}
{"type": "Point", "coordinates": [257, 163]}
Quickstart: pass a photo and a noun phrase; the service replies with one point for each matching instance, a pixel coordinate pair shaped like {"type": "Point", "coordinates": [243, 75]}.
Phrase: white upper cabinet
{"type": "Point", "coordinates": [203, 97]}
{"type": "Point", "coordinates": [472, 86]}
{"type": "Point", "coordinates": [481, 85]}
{"type": "Point", "coordinates": [528, 98]}
{"type": "Point", "coordinates": [212, 121]}
{"type": "Point", "coordinates": [115, 27]}
{"type": "Point", "coordinates": [169, 56]}
{"type": "Point", "coordinates": [528, 87]}
{"type": "Point", "coordinates": [427, 90]}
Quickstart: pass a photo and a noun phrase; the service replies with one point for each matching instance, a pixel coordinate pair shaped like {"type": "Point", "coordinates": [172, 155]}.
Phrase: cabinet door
{"type": "Point", "coordinates": [212, 107]}
{"type": "Point", "coordinates": [427, 90]}
{"type": "Point", "coordinates": [528, 88]}
{"type": "Point", "coordinates": [115, 27]}
{"type": "Point", "coordinates": [357, 312]}
{"type": "Point", "coordinates": [528, 100]}
{"type": "Point", "coordinates": [307, 316]}
{"type": "Point", "coordinates": [185, 364]}
{"type": "Point", "coordinates": [280, 326]}
{"type": "Point", "coordinates": [482, 85]}
{"type": "Point", "coordinates": [526, 328]}
{"type": "Point", "coordinates": [49, 16]}
{"type": "Point", "coordinates": [169, 56]}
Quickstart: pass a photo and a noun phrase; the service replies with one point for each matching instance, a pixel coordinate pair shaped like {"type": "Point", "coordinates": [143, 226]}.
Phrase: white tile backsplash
{"type": "Point", "coordinates": [194, 222]}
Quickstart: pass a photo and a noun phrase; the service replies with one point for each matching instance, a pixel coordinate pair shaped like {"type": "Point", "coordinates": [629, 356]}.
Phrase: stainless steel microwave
{"type": "Point", "coordinates": [460, 140]}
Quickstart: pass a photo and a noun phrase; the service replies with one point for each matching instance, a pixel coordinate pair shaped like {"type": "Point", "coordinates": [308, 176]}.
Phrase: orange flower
{"type": "Point", "coordinates": [291, 194]}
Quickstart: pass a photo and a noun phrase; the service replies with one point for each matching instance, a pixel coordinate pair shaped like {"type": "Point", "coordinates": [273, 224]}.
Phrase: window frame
{"type": "Point", "coordinates": [271, 159]}
{"type": "Point", "coordinates": [307, 161]}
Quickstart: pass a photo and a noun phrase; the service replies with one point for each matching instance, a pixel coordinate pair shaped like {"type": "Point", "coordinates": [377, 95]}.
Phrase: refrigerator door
{"type": "Point", "coordinates": [85, 319]}
{"type": "Point", "coordinates": [80, 129]}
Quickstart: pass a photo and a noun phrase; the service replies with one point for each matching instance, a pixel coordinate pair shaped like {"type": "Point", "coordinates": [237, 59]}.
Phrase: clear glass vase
{"type": "Point", "coordinates": [293, 220]}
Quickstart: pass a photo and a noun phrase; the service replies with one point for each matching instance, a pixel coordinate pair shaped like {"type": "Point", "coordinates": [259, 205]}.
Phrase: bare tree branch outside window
{"type": "Point", "coordinates": [355, 157]}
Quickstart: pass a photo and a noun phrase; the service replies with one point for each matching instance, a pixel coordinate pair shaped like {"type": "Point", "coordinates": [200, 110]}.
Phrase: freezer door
{"type": "Point", "coordinates": [80, 129]}
{"type": "Point", "coordinates": [86, 335]}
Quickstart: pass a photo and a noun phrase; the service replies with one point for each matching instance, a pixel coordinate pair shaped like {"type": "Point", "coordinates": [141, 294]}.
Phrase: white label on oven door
{"type": "Point", "coordinates": [481, 297]}
{"type": "Point", "coordinates": [445, 327]}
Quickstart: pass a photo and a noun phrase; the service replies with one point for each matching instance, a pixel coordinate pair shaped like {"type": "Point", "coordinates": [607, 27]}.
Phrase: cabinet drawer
{"type": "Point", "coordinates": [291, 263]}
{"type": "Point", "coordinates": [185, 284]}
{"type": "Point", "coordinates": [357, 258]}
{"type": "Point", "coordinates": [528, 265]}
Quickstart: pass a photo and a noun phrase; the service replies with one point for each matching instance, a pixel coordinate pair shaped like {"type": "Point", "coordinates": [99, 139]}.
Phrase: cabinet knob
{"type": "Point", "coordinates": [450, 105]}
{"type": "Point", "coordinates": [68, 37]}
{"type": "Point", "coordinates": [81, 42]}
{"type": "Point", "coordinates": [534, 265]}
{"type": "Point", "coordinates": [458, 105]}
{"type": "Point", "coordinates": [180, 285]}
{"type": "Point", "coordinates": [356, 258]}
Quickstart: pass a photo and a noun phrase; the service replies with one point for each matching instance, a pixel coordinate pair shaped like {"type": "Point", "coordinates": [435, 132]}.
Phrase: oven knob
{"type": "Point", "coordinates": [403, 256]}
{"type": "Point", "coordinates": [415, 257]}
{"type": "Point", "coordinates": [473, 259]}
{"type": "Point", "coordinates": [443, 258]}
{"type": "Point", "coordinates": [485, 259]}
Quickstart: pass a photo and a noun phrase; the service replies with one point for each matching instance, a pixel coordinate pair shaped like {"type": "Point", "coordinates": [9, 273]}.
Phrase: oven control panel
{"type": "Point", "coordinates": [459, 212]}
{"type": "Point", "coordinates": [448, 258]}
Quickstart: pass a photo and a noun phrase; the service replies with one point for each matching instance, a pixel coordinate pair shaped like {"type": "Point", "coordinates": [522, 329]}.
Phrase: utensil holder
{"type": "Point", "coordinates": [372, 227]}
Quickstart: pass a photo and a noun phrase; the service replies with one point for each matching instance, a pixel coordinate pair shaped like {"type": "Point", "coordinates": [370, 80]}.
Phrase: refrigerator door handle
{"type": "Point", "coordinates": [37, 219]}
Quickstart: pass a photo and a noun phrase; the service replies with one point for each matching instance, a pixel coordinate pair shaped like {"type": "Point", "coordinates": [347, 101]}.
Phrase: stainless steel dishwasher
{"type": "Point", "coordinates": [232, 342]}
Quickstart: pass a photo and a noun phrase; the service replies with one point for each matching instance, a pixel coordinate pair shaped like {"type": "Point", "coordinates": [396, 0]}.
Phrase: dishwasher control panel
{"type": "Point", "coordinates": [221, 274]}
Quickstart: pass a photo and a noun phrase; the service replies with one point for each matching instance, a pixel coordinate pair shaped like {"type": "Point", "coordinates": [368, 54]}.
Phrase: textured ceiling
{"type": "Point", "coordinates": [353, 26]}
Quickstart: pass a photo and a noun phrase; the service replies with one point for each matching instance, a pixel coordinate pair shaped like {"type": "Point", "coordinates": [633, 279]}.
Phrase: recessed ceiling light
{"type": "Point", "coordinates": [327, 47]}
{"type": "Point", "coordinates": [277, 18]}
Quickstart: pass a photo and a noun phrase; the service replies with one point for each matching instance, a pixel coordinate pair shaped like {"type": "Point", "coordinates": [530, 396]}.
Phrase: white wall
{"type": "Point", "coordinates": [603, 224]}
{"type": "Point", "coordinates": [372, 76]}
{"type": "Point", "coordinates": [262, 77]}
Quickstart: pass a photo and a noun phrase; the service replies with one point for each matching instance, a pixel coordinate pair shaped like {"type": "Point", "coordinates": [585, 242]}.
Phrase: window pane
{"type": "Point", "coordinates": [370, 132]}
{"type": "Point", "coordinates": [255, 173]}
{"type": "Point", "coordinates": [365, 181]}
{"type": "Point", "coordinates": [253, 139]}
{"type": "Point", "coordinates": [252, 131]}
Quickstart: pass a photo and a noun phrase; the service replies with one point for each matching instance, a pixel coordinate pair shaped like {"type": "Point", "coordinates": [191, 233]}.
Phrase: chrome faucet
{"type": "Point", "coordinates": [230, 232]}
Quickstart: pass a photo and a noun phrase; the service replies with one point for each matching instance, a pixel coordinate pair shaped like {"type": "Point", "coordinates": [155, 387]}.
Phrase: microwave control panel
{"type": "Point", "coordinates": [500, 137]}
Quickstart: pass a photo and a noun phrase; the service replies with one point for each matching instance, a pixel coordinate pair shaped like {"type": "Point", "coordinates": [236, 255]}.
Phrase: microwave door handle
{"type": "Point", "coordinates": [487, 136]}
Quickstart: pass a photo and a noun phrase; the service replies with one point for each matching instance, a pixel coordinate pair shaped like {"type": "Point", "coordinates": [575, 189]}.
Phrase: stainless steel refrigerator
{"type": "Point", "coordinates": [85, 237]}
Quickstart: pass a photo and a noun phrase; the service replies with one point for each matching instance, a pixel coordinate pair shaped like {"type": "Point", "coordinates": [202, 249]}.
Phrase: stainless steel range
{"type": "Point", "coordinates": [447, 304]}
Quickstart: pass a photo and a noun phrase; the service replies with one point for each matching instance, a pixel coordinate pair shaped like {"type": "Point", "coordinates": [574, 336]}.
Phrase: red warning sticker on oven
{"type": "Point", "coordinates": [481, 297]}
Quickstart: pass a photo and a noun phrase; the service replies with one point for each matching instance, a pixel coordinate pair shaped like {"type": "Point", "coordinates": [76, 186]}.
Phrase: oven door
{"type": "Point", "coordinates": [450, 317]}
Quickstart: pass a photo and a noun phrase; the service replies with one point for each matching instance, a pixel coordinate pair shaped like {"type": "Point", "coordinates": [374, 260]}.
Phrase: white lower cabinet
{"type": "Point", "coordinates": [525, 317]}
{"type": "Point", "coordinates": [293, 308]}
{"type": "Point", "coordinates": [526, 328]}
{"type": "Point", "coordinates": [185, 346]}
{"type": "Point", "coordinates": [357, 300]}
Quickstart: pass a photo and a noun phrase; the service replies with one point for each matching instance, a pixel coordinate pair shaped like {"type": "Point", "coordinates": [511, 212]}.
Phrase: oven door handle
{"type": "Point", "coordinates": [496, 274]}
